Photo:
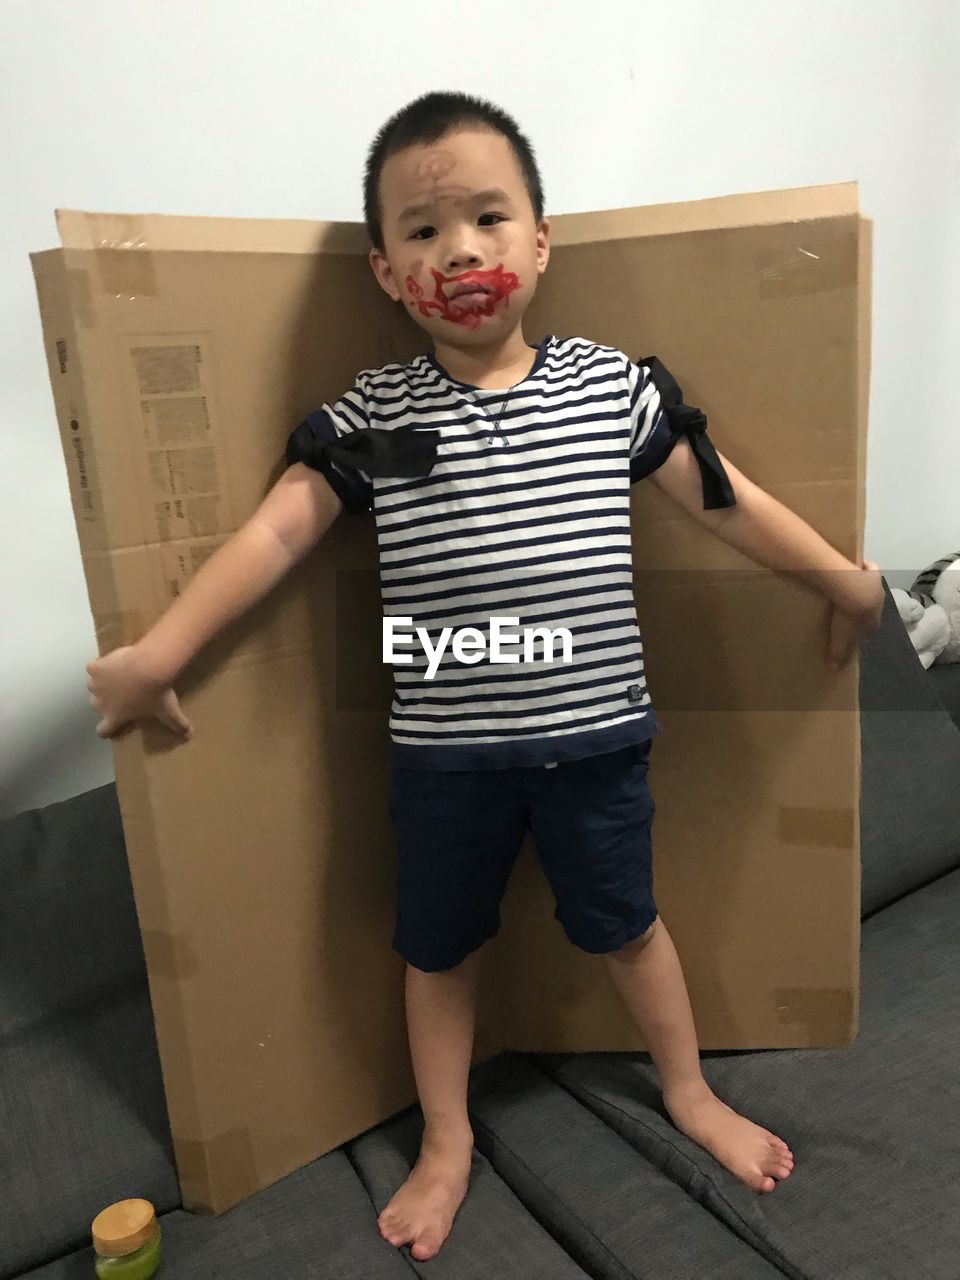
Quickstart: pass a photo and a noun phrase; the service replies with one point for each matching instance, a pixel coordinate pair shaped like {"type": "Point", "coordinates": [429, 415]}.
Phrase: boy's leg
{"type": "Point", "coordinates": [647, 975]}
{"type": "Point", "coordinates": [458, 835]}
{"type": "Point", "coordinates": [441, 1009]}
{"type": "Point", "coordinates": [592, 822]}
{"type": "Point", "coordinates": [441, 1016]}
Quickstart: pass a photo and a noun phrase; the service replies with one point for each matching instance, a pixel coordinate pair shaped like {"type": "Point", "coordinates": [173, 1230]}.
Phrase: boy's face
{"type": "Point", "coordinates": [463, 250]}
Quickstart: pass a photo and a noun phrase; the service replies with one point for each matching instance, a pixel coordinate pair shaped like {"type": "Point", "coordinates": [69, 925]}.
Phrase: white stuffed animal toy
{"type": "Point", "coordinates": [939, 587]}
{"type": "Point", "coordinates": [927, 625]}
{"type": "Point", "coordinates": [931, 611]}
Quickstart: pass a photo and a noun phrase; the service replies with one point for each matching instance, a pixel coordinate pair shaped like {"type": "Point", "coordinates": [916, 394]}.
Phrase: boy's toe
{"type": "Point", "coordinates": [392, 1229]}
{"type": "Point", "coordinates": [426, 1246]}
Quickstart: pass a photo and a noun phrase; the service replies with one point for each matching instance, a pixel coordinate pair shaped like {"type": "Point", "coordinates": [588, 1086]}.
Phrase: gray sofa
{"type": "Point", "coordinates": [946, 681]}
{"type": "Point", "coordinates": [578, 1172]}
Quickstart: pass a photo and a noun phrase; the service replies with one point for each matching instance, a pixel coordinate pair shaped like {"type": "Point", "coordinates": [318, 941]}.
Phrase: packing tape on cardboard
{"type": "Point", "coordinates": [124, 263]}
{"type": "Point", "coordinates": [80, 292]}
{"type": "Point", "coordinates": [169, 955]}
{"type": "Point", "coordinates": [215, 1173]}
{"type": "Point", "coordinates": [818, 260]}
{"type": "Point", "coordinates": [814, 1006]}
{"type": "Point", "coordinates": [818, 828]}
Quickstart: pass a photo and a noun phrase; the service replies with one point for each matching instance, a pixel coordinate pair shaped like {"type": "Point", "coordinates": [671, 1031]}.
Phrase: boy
{"type": "Point", "coordinates": [501, 475]}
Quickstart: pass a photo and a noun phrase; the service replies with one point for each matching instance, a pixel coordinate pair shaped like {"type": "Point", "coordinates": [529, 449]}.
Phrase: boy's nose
{"type": "Point", "coordinates": [462, 259]}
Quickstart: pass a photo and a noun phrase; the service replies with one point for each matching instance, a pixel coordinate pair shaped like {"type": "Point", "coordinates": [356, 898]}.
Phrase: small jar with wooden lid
{"type": "Point", "coordinates": [126, 1241]}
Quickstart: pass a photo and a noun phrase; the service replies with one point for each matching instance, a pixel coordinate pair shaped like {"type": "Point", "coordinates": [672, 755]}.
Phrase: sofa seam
{"type": "Point", "coordinates": [555, 1199]}
{"type": "Point", "coordinates": [783, 1263]}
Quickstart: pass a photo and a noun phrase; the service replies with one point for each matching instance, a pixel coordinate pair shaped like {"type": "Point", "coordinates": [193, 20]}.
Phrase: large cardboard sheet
{"type": "Point", "coordinates": [181, 352]}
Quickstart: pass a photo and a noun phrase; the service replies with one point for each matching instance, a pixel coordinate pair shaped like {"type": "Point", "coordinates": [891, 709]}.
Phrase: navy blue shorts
{"type": "Point", "coordinates": [458, 834]}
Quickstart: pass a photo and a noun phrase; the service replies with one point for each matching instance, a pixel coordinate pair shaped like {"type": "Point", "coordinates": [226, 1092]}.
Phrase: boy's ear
{"type": "Point", "coordinates": [543, 245]}
{"type": "Point", "coordinates": [384, 273]}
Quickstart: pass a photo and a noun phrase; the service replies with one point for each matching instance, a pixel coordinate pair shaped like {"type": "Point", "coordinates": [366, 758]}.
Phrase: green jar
{"type": "Point", "coordinates": [126, 1241]}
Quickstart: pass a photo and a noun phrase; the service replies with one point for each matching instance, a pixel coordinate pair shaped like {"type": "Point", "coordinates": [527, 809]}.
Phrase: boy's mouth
{"type": "Point", "coordinates": [473, 295]}
{"type": "Point", "coordinates": [479, 283]}
{"type": "Point", "coordinates": [475, 287]}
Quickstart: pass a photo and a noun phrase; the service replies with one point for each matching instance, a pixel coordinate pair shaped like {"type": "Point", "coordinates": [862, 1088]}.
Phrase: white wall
{"type": "Point", "coordinates": [232, 108]}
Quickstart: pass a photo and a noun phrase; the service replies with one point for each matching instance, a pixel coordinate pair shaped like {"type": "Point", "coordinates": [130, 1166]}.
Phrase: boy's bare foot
{"type": "Point", "coordinates": [422, 1211]}
{"type": "Point", "coordinates": [755, 1155]}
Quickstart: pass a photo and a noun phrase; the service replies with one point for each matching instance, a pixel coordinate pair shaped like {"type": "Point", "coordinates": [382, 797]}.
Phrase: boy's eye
{"type": "Point", "coordinates": [418, 234]}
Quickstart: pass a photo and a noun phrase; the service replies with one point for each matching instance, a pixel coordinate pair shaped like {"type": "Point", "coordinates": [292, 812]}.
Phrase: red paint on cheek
{"type": "Point", "coordinates": [412, 282]}
{"type": "Point", "coordinates": [499, 283]}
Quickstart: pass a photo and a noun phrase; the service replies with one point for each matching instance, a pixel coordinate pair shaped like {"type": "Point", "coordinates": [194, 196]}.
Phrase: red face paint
{"type": "Point", "coordinates": [498, 284]}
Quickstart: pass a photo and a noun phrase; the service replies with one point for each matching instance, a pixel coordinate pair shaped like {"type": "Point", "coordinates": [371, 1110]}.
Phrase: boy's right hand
{"type": "Point", "coordinates": [124, 689]}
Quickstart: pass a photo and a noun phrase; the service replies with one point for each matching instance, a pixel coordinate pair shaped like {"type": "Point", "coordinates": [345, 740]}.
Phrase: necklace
{"type": "Point", "coordinates": [495, 429]}
{"type": "Point", "coordinates": [496, 423]}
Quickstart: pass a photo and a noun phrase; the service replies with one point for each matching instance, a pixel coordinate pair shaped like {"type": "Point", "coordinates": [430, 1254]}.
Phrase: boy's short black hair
{"type": "Point", "coordinates": [428, 119]}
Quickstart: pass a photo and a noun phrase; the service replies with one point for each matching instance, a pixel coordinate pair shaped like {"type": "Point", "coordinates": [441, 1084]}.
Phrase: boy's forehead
{"type": "Point", "coordinates": [453, 168]}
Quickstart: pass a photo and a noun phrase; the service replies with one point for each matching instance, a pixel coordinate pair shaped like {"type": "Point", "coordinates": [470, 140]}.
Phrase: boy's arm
{"type": "Point", "coordinates": [292, 518]}
{"type": "Point", "coordinates": [134, 681]}
{"type": "Point", "coordinates": [773, 535]}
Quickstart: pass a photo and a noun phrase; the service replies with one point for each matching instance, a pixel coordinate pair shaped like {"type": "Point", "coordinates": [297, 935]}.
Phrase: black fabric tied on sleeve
{"type": "Point", "coordinates": [403, 451]}
{"type": "Point", "coordinates": [692, 423]}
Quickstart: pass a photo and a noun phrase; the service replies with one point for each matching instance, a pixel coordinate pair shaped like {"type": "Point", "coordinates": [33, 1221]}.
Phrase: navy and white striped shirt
{"type": "Point", "coordinates": [525, 519]}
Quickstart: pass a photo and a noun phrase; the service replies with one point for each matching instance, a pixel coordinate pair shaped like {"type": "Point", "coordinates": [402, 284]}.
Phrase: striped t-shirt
{"type": "Point", "coordinates": [525, 519]}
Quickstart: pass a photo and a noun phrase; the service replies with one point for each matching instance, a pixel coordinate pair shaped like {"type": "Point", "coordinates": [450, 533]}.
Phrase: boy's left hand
{"type": "Point", "coordinates": [856, 615]}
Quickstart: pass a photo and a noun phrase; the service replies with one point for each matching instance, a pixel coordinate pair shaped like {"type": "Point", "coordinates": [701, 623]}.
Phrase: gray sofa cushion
{"type": "Point", "coordinates": [67, 910]}
{"type": "Point", "coordinates": [910, 749]}
{"type": "Point", "coordinates": [873, 1127]}
{"type": "Point", "coordinates": [610, 1209]}
{"type": "Point", "coordinates": [492, 1238]}
{"type": "Point", "coordinates": [946, 680]}
{"type": "Point", "coordinates": [315, 1224]}
{"type": "Point", "coordinates": [82, 1113]}
{"type": "Point", "coordinates": [82, 1123]}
